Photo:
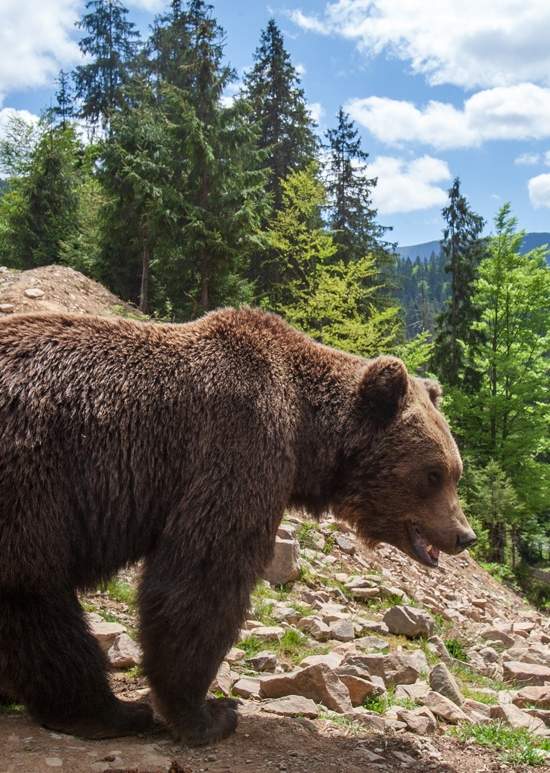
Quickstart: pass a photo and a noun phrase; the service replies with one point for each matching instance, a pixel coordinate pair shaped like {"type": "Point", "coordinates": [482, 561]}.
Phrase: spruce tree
{"type": "Point", "coordinates": [278, 105]}
{"type": "Point", "coordinates": [462, 248]}
{"type": "Point", "coordinates": [111, 42]}
{"type": "Point", "coordinates": [63, 109]}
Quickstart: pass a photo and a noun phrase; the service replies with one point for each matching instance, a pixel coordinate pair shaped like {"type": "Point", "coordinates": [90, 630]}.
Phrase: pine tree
{"type": "Point", "coordinates": [111, 42]}
{"type": "Point", "coordinates": [278, 105]}
{"type": "Point", "coordinates": [352, 215]}
{"type": "Point", "coordinates": [463, 249]}
{"type": "Point", "coordinates": [63, 109]}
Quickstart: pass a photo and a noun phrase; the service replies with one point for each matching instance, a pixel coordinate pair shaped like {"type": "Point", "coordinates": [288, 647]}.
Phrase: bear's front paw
{"type": "Point", "coordinates": [216, 720]}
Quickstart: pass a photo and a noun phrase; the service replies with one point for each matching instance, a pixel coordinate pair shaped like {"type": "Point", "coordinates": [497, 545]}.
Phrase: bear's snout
{"type": "Point", "coordinates": [465, 539]}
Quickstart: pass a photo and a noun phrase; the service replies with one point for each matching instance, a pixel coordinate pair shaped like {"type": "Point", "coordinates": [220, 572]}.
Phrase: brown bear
{"type": "Point", "coordinates": [182, 445]}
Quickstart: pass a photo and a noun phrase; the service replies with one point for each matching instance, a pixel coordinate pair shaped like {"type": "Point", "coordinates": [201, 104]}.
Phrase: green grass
{"type": "Point", "coordinates": [292, 647]}
{"type": "Point", "coordinates": [329, 544]}
{"type": "Point", "coordinates": [480, 697]}
{"type": "Point", "coordinates": [349, 725]}
{"type": "Point", "coordinates": [11, 708]}
{"type": "Point", "coordinates": [456, 649]}
{"type": "Point", "coordinates": [517, 747]}
{"type": "Point", "coordinates": [305, 534]}
{"type": "Point", "coordinates": [121, 591]}
{"type": "Point", "coordinates": [467, 676]}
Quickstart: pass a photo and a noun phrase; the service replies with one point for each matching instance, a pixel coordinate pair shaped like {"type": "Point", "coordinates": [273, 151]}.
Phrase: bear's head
{"type": "Point", "coordinates": [397, 482]}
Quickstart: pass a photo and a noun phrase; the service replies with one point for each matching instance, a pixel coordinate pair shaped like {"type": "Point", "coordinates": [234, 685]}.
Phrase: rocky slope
{"type": "Point", "coordinates": [350, 660]}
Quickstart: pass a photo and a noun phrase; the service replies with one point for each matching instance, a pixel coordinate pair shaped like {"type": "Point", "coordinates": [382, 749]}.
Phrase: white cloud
{"type": "Point", "coordinates": [539, 191]}
{"type": "Point", "coordinates": [147, 5]}
{"type": "Point", "coordinates": [408, 186]}
{"type": "Point", "coordinates": [300, 69]}
{"type": "Point", "coordinates": [467, 43]}
{"type": "Point", "coordinates": [7, 113]}
{"type": "Point", "coordinates": [316, 111]}
{"type": "Point", "coordinates": [35, 41]}
{"type": "Point", "coordinates": [527, 159]}
{"type": "Point", "coordinates": [519, 112]}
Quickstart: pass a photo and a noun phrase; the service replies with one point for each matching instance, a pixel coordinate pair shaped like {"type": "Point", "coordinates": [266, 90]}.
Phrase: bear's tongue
{"type": "Point", "coordinates": [426, 553]}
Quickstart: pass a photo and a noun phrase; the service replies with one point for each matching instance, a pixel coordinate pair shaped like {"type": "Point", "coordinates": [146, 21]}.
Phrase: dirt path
{"type": "Point", "coordinates": [263, 744]}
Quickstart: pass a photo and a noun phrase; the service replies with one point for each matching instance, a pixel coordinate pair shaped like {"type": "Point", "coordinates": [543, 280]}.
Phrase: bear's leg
{"type": "Point", "coordinates": [192, 606]}
{"type": "Point", "coordinates": [57, 669]}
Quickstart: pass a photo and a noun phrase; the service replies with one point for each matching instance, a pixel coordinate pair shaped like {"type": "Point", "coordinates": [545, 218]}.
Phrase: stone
{"type": "Point", "coordinates": [525, 673]}
{"type": "Point", "coordinates": [247, 688]}
{"type": "Point", "coordinates": [497, 634]}
{"type": "Point", "coordinates": [369, 719]}
{"type": "Point", "coordinates": [292, 706]}
{"type": "Point", "coordinates": [283, 614]}
{"type": "Point", "coordinates": [331, 659]}
{"type": "Point", "coordinates": [224, 680]}
{"type": "Point", "coordinates": [477, 708]}
{"type": "Point", "coordinates": [403, 668]}
{"type": "Point", "coordinates": [263, 661]}
{"type": "Point", "coordinates": [342, 630]}
{"type": "Point", "coordinates": [373, 665]}
{"type": "Point", "coordinates": [235, 655]}
{"type": "Point", "coordinates": [372, 643]}
{"type": "Point", "coordinates": [443, 682]}
{"type": "Point", "coordinates": [316, 682]}
{"type": "Point", "coordinates": [374, 626]}
{"type": "Point", "coordinates": [517, 718]}
{"type": "Point", "coordinates": [34, 292]}
{"type": "Point", "coordinates": [106, 633]}
{"type": "Point", "coordinates": [284, 566]}
{"type": "Point", "coordinates": [359, 687]}
{"type": "Point", "coordinates": [409, 621]}
{"type": "Point", "coordinates": [420, 721]}
{"type": "Point", "coordinates": [7, 308]}
{"type": "Point", "coordinates": [440, 649]}
{"type": "Point", "coordinates": [444, 708]}
{"type": "Point", "coordinates": [268, 632]}
{"type": "Point", "coordinates": [413, 692]}
{"type": "Point", "coordinates": [537, 696]}
{"type": "Point", "coordinates": [315, 627]}
{"type": "Point", "coordinates": [345, 543]}
{"type": "Point", "coordinates": [365, 593]}
{"type": "Point", "coordinates": [124, 653]}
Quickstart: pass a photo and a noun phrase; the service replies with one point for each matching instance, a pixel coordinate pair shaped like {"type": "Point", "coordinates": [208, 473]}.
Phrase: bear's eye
{"type": "Point", "coordinates": [434, 477]}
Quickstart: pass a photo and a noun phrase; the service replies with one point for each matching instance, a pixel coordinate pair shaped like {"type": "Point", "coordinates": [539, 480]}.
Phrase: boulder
{"type": "Point", "coordinates": [413, 692]}
{"type": "Point", "coordinates": [247, 688]}
{"type": "Point", "coordinates": [224, 680]}
{"type": "Point", "coordinates": [359, 687]}
{"type": "Point", "coordinates": [420, 721]}
{"type": "Point", "coordinates": [444, 708]}
{"type": "Point", "coordinates": [409, 621]}
{"type": "Point", "coordinates": [518, 719]}
{"type": "Point", "coordinates": [292, 706]}
{"type": "Point", "coordinates": [345, 543]}
{"type": "Point", "coordinates": [438, 646]}
{"type": "Point", "coordinates": [536, 696]}
{"type": "Point", "coordinates": [267, 632]}
{"type": "Point", "coordinates": [342, 630]}
{"type": "Point", "coordinates": [284, 566]}
{"type": "Point", "coordinates": [525, 673]}
{"type": "Point", "coordinates": [263, 661]}
{"type": "Point", "coordinates": [498, 634]}
{"type": "Point", "coordinates": [124, 653]}
{"type": "Point", "coordinates": [331, 659]}
{"type": "Point", "coordinates": [315, 627]}
{"type": "Point", "coordinates": [443, 682]}
{"type": "Point", "coordinates": [316, 682]}
{"type": "Point", "coordinates": [106, 633]}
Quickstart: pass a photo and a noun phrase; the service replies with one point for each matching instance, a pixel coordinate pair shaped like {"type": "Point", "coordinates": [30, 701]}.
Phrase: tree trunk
{"type": "Point", "coordinates": [497, 539]}
{"type": "Point", "coordinates": [144, 290]}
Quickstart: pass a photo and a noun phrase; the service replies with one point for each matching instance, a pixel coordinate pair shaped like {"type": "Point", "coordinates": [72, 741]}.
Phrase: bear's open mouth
{"type": "Point", "coordinates": [423, 551]}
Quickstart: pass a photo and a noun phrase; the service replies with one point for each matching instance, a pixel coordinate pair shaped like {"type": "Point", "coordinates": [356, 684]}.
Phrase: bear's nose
{"type": "Point", "coordinates": [465, 540]}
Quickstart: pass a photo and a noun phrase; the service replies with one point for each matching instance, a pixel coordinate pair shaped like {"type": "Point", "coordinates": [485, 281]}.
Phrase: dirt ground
{"type": "Point", "coordinates": [262, 744]}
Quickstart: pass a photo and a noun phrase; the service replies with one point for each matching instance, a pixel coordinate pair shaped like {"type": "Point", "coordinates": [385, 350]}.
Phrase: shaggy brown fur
{"type": "Point", "coordinates": [182, 445]}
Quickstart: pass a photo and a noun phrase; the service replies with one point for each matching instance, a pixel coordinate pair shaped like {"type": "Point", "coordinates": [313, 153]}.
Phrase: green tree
{"type": "Point", "coordinates": [111, 42]}
{"type": "Point", "coordinates": [323, 297]}
{"type": "Point", "coordinates": [63, 110]}
{"type": "Point", "coordinates": [463, 249]}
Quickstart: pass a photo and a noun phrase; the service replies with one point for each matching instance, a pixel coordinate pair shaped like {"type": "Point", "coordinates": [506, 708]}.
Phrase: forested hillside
{"type": "Point", "coordinates": [181, 188]}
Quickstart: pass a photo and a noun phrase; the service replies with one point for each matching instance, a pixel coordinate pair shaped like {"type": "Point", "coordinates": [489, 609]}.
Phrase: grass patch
{"type": "Point", "coordinates": [305, 534]}
{"type": "Point", "coordinates": [456, 649]}
{"type": "Point", "coordinates": [118, 590]}
{"type": "Point", "coordinates": [469, 677]}
{"type": "Point", "coordinates": [480, 697]}
{"type": "Point", "coordinates": [517, 747]}
{"type": "Point", "coordinates": [11, 708]}
{"type": "Point", "coordinates": [252, 645]}
{"type": "Point", "coordinates": [349, 725]}
{"type": "Point", "coordinates": [329, 544]}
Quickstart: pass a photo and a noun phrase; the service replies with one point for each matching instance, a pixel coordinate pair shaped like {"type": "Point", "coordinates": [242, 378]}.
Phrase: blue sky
{"type": "Point", "coordinates": [437, 89]}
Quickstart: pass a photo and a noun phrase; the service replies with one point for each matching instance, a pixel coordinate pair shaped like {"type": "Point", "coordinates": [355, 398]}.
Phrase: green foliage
{"type": "Point", "coordinates": [516, 747]}
{"type": "Point", "coordinates": [456, 649]}
{"type": "Point", "coordinates": [121, 591]}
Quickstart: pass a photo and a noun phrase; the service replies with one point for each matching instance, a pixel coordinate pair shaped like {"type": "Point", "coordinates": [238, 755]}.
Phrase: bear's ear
{"type": "Point", "coordinates": [383, 386]}
{"type": "Point", "coordinates": [434, 390]}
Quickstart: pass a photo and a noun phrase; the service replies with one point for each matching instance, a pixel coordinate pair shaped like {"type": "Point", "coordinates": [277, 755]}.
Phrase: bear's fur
{"type": "Point", "coordinates": [182, 445]}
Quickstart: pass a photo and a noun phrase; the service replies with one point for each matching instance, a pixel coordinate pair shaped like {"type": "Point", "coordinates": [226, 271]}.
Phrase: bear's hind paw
{"type": "Point", "coordinates": [218, 719]}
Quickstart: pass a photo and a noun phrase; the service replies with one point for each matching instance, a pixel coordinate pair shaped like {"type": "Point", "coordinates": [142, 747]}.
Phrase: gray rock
{"type": "Point", "coordinates": [124, 653]}
{"type": "Point", "coordinates": [292, 706]}
{"type": "Point", "coordinates": [315, 627]}
{"type": "Point", "coordinates": [443, 682]}
{"type": "Point", "coordinates": [409, 621]}
{"type": "Point", "coordinates": [34, 293]}
{"type": "Point", "coordinates": [444, 708]}
{"type": "Point", "coordinates": [342, 630]}
{"type": "Point", "coordinates": [317, 682]}
{"type": "Point", "coordinates": [525, 673]}
{"type": "Point", "coordinates": [263, 661]}
{"type": "Point", "coordinates": [284, 566]}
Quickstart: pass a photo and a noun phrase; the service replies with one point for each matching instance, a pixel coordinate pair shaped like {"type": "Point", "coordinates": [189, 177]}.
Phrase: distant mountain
{"type": "Point", "coordinates": [424, 250]}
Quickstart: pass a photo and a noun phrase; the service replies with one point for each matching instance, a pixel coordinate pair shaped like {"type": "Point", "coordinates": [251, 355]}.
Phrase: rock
{"type": "Point", "coordinates": [497, 634]}
{"type": "Point", "coordinates": [374, 626]}
{"type": "Point", "coordinates": [443, 682]}
{"type": "Point", "coordinates": [342, 630]}
{"type": "Point", "coordinates": [359, 687]}
{"type": "Point", "coordinates": [438, 646]}
{"type": "Point", "coordinates": [365, 593]}
{"type": "Point", "coordinates": [315, 627]}
{"type": "Point", "coordinates": [7, 308]}
{"type": "Point", "coordinates": [517, 718]}
{"type": "Point", "coordinates": [247, 688]}
{"type": "Point", "coordinates": [403, 667]}
{"type": "Point", "coordinates": [124, 653]}
{"type": "Point", "coordinates": [268, 632]}
{"type": "Point", "coordinates": [316, 682]}
{"type": "Point", "coordinates": [372, 665]}
{"type": "Point", "coordinates": [413, 692]}
{"type": "Point", "coordinates": [372, 643]}
{"type": "Point", "coordinates": [409, 621]}
{"type": "Point", "coordinates": [331, 659]}
{"type": "Point", "coordinates": [106, 633]}
{"type": "Point", "coordinates": [346, 544]}
{"type": "Point", "coordinates": [525, 673]}
{"type": "Point", "coordinates": [420, 721]}
{"type": "Point", "coordinates": [284, 566]}
{"type": "Point", "coordinates": [537, 696]}
{"type": "Point", "coordinates": [369, 719]}
{"type": "Point", "coordinates": [292, 706]}
{"type": "Point", "coordinates": [34, 292]}
{"type": "Point", "coordinates": [282, 613]}
{"type": "Point", "coordinates": [476, 708]}
{"type": "Point", "coordinates": [263, 661]}
{"type": "Point", "coordinates": [235, 655]}
{"type": "Point", "coordinates": [224, 680]}
{"type": "Point", "coordinates": [444, 708]}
